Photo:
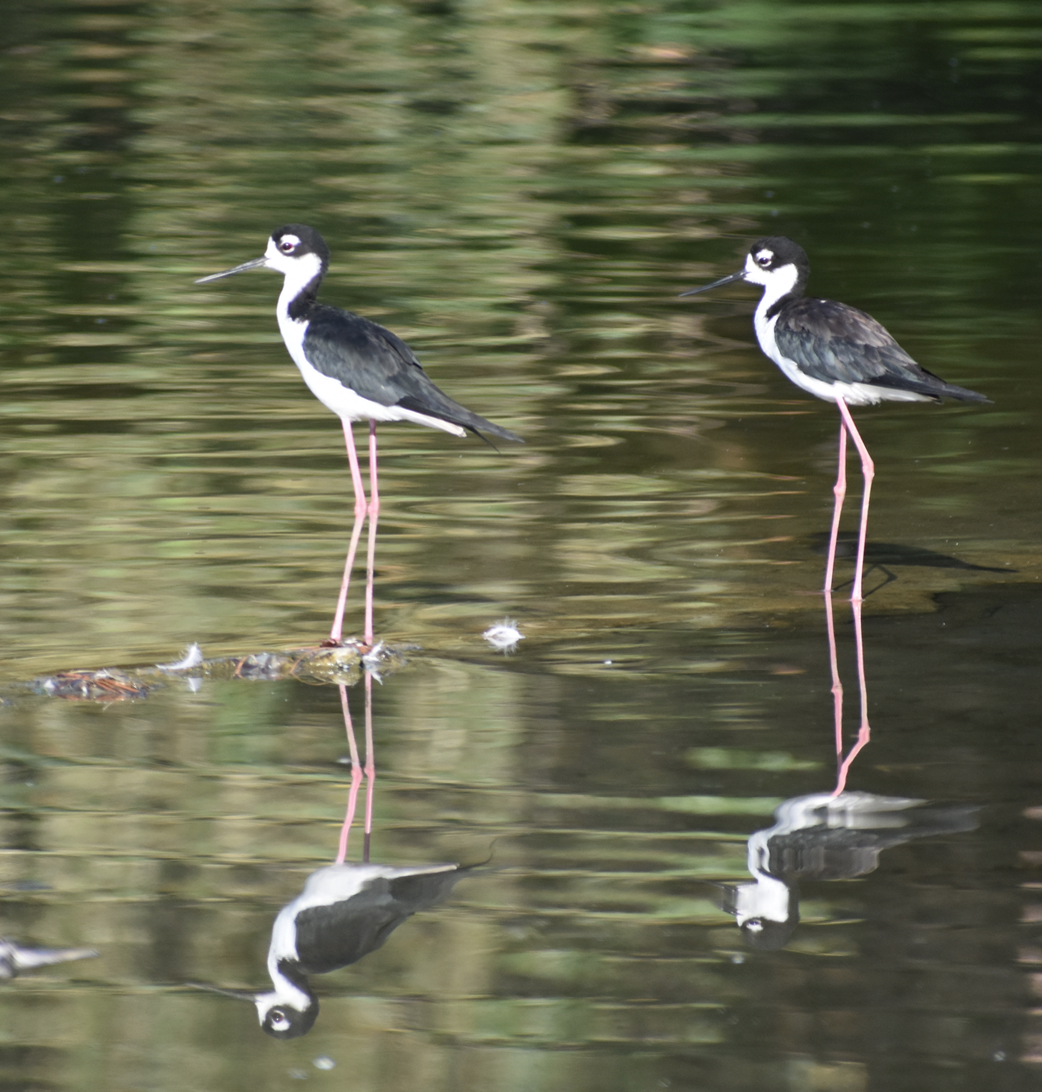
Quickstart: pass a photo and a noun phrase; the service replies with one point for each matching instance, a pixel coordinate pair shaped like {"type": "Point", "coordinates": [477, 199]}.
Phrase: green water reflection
{"type": "Point", "coordinates": [168, 833]}
{"type": "Point", "coordinates": [520, 189]}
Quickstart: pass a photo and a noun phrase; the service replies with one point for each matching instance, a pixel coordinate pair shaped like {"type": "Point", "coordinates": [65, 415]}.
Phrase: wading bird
{"type": "Point", "coordinates": [360, 371]}
{"type": "Point", "coordinates": [344, 912]}
{"type": "Point", "coordinates": [836, 352]}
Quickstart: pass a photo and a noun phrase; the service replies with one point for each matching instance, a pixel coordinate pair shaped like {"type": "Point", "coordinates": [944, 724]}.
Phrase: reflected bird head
{"type": "Point", "coordinates": [282, 1013]}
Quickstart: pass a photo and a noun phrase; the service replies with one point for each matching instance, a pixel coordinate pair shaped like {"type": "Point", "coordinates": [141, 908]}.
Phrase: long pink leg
{"type": "Point", "coordinates": [864, 729]}
{"type": "Point", "coordinates": [837, 684]}
{"type": "Point", "coordinates": [356, 779]}
{"type": "Point", "coordinates": [374, 518]}
{"type": "Point", "coordinates": [370, 765]}
{"type": "Point", "coordinates": [840, 491]}
{"type": "Point", "coordinates": [868, 471]}
{"type": "Point", "coordinates": [361, 508]}
{"type": "Point", "coordinates": [856, 599]}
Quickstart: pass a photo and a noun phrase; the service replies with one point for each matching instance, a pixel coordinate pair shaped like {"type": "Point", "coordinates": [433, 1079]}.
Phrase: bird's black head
{"type": "Point", "coordinates": [283, 1021]}
{"type": "Point", "coordinates": [774, 262]}
{"type": "Point", "coordinates": [775, 251]}
{"type": "Point", "coordinates": [298, 241]}
{"type": "Point", "coordinates": [295, 250]}
{"type": "Point", "coordinates": [291, 1008]}
{"type": "Point", "coordinates": [779, 265]}
{"type": "Point", "coordinates": [768, 936]}
{"type": "Point", "coordinates": [285, 1012]}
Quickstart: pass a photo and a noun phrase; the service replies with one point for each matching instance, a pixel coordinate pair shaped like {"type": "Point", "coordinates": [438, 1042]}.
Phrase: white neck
{"type": "Point", "coordinates": [298, 275]}
{"type": "Point", "coordinates": [768, 898]}
{"type": "Point", "coordinates": [285, 995]}
{"type": "Point", "coordinates": [779, 284]}
{"type": "Point", "coordinates": [283, 937]}
{"type": "Point", "coordinates": [775, 286]}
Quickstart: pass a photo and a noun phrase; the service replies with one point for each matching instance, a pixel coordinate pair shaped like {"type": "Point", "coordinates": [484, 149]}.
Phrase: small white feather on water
{"type": "Point", "coordinates": [504, 636]}
{"type": "Point", "coordinates": [372, 660]}
{"type": "Point", "coordinates": [193, 657]}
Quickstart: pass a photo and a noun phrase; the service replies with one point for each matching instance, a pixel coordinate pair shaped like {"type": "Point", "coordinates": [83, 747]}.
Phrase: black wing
{"type": "Point", "coordinates": [378, 365]}
{"type": "Point", "coordinates": [333, 936]}
{"type": "Point", "coordinates": [833, 342]}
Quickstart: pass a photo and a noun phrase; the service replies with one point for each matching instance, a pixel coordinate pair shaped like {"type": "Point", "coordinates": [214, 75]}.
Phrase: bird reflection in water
{"type": "Point", "coordinates": [15, 958]}
{"type": "Point", "coordinates": [824, 836]}
{"type": "Point", "coordinates": [835, 835]}
{"type": "Point", "coordinates": [344, 912]}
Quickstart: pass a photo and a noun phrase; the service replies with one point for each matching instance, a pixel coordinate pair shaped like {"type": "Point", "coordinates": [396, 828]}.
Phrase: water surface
{"type": "Point", "coordinates": [520, 190]}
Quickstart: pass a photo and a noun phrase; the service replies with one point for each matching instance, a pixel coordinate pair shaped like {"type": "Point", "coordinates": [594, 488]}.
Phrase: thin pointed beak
{"type": "Point", "coordinates": [257, 263]}
{"type": "Point", "coordinates": [239, 995]}
{"type": "Point", "coordinates": [739, 276]}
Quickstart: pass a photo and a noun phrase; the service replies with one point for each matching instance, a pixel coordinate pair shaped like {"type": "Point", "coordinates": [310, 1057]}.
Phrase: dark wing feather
{"type": "Point", "coordinates": [345, 932]}
{"type": "Point", "coordinates": [330, 937]}
{"type": "Point", "coordinates": [833, 342]}
{"type": "Point", "coordinates": [379, 366]}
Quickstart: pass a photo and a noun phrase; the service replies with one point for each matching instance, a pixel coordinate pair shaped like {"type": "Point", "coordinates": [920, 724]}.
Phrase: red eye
{"type": "Point", "coordinates": [285, 246]}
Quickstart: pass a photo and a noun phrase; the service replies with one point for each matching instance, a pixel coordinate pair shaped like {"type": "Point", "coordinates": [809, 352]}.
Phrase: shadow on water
{"type": "Point", "coordinates": [885, 556]}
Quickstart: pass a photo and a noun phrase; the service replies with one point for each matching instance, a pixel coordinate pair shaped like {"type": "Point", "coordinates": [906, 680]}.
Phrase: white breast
{"type": "Point", "coordinates": [344, 402]}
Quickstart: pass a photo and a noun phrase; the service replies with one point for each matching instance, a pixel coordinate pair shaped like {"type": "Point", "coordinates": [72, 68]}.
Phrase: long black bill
{"type": "Point", "coordinates": [239, 995]}
{"type": "Point", "coordinates": [257, 263]}
{"type": "Point", "coordinates": [739, 276]}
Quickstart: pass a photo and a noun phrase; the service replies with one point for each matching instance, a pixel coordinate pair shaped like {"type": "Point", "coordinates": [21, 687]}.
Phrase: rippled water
{"type": "Point", "coordinates": [519, 190]}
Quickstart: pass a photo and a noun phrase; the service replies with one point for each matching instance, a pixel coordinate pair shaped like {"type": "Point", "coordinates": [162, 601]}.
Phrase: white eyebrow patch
{"type": "Point", "coordinates": [765, 255]}
{"type": "Point", "coordinates": [283, 245]}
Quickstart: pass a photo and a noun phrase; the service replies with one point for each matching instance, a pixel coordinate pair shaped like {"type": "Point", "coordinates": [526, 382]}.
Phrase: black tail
{"type": "Point", "coordinates": [931, 385]}
{"type": "Point", "coordinates": [438, 404]}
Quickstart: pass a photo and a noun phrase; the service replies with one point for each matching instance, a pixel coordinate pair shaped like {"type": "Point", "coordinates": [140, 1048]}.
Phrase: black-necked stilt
{"type": "Point", "coordinates": [836, 352]}
{"type": "Point", "coordinates": [356, 368]}
{"type": "Point", "coordinates": [824, 836]}
{"type": "Point", "coordinates": [344, 913]}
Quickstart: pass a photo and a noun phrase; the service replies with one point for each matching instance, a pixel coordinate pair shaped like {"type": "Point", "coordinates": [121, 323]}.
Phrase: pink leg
{"type": "Point", "coordinates": [356, 779]}
{"type": "Point", "coordinates": [840, 491]}
{"type": "Point", "coordinates": [864, 730]}
{"type": "Point", "coordinates": [374, 517]}
{"type": "Point", "coordinates": [856, 598]}
{"type": "Point", "coordinates": [370, 765]}
{"type": "Point", "coordinates": [868, 471]}
{"type": "Point", "coordinates": [361, 507]}
{"type": "Point", "coordinates": [357, 771]}
{"type": "Point", "coordinates": [837, 684]}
